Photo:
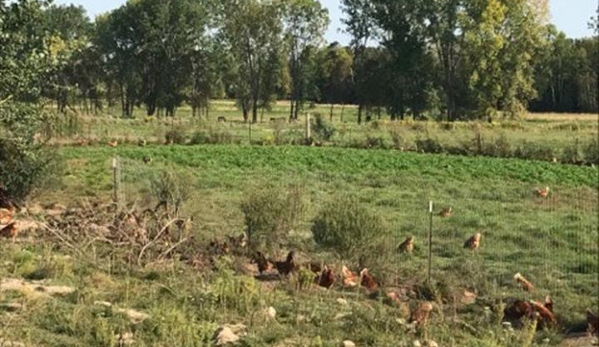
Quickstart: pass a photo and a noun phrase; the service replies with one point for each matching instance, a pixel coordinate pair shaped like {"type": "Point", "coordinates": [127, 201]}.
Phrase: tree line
{"type": "Point", "coordinates": [442, 59]}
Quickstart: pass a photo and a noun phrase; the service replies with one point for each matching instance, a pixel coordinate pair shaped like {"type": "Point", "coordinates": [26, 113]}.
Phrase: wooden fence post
{"type": "Point", "coordinates": [115, 180]}
{"type": "Point", "coordinates": [430, 241]}
{"type": "Point", "coordinates": [308, 132]}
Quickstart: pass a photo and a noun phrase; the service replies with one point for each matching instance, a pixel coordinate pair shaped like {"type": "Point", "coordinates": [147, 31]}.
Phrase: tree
{"type": "Point", "coordinates": [24, 61]}
{"type": "Point", "coordinates": [305, 22]}
{"type": "Point", "coordinates": [500, 42]}
{"type": "Point", "coordinates": [252, 31]}
{"type": "Point", "coordinates": [338, 71]}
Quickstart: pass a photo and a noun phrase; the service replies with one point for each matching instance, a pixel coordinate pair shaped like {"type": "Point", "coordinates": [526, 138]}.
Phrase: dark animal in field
{"type": "Point", "coordinates": [221, 119]}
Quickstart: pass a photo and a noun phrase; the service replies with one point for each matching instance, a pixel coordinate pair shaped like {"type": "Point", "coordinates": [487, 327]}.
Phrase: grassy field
{"type": "Point", "coordinates": [553, 242]}
{"type": "Point", "coordinates": [561, 137]}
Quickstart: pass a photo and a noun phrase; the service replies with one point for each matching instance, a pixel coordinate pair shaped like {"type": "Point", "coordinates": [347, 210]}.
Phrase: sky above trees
{"type": "Point", "coordinates": [569, 16]}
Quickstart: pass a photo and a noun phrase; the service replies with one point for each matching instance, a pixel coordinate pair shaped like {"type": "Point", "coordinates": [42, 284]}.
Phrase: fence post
{"type": "Point", "coordinates": [308, 133]}
{"type": "Point", "coordinates": [115, 179]}
{"type": "Point", "coordinates": [430, 241]}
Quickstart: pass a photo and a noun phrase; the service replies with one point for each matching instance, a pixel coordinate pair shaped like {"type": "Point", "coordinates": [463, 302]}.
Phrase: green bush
{"type": "Point", "coordinates": [323, 129]}
{"type": "Point", "coordinates": [26, 164]}
{"type": "Point", "coordinates": [351, 230]}
{"type": "Point", "coordinates": [429, 145]}
{"type": "Point", "coordinates": [171, 189]}
{"type": "Point", "coordinates": [270, 213]}
{"type": "Point", "coordinates": [175, 136]}
{"type": "Point", "coordinates": [591, 152]}
{"type": "Point", "coordinates": [211, 136]}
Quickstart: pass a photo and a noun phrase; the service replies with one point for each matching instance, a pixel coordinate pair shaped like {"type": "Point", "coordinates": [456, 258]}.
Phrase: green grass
{"type": "Point", "coordinates": [553, 242]}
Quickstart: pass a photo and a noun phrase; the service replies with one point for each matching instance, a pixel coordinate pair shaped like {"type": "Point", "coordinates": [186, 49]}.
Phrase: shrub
{"type": "Point", "coordinates": [26, 163]}
{"type": "Point", "coordinates": [171, 189]}
{"type": "Point", "coordinates": [270, 213]}
{"type": "Point", "coordinates": [429, 145]}
{"type": "Point", "coordinates": [351, 230]}
{"type": "Point", "coordinates": [499, 148]}
{"type": "Point", "coordinates": [211, 136]}
{"type": "Point", "coordinates": [375, 142]}
{"type": "Point", "coordinates": [591, 152]}
{"type": "Point", "coordinates": [572, 154]}
{"type": "Point", "coordinates": [323, 129]}
{"type": "Point", "coordinates": [529, 150]}
{"type": "Point", "coordinates": [399, 140]}
{"type": "Point", "coordinates": [175, 136]}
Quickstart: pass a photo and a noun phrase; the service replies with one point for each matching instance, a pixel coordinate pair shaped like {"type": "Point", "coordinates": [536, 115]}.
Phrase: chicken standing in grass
{"type": "Point", "coordinates": [545, 315]}
{"type": "Point", "coordinates": [350, 279]}
{"type": "Point", "coordinates": [446, 212]}
{"type": "Point", "coordinates": [421, 315]}
{"type": "Point", "coordinates": [407, 246]}
{"type": "Point", "coordinates": [287, 266]}
{"type": "Point", "coordinates": [10, 231]}
{"type": "Point", "coordinates": [6, 215]}
{"type": "Point", "coordinates": [326, 279]}
{"type": "Point", "coordinates": [542, 192]}
{"type": "Point", "coordinates": [263, 264]}
{"type": "Point", "coordinates": [368, 281]}
{"type": "Point", "coordinates": [473, 243]}
{"type": "Point", "coordinates": [113, 143]}
{"type": "Point", "coordinates": [526, 285]}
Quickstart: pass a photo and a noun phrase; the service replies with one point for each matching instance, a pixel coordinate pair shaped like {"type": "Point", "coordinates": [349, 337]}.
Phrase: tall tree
{"type": "Point", "coordinates": [253, 32]}
{"type": "Point", "coordinates": [305, 22]}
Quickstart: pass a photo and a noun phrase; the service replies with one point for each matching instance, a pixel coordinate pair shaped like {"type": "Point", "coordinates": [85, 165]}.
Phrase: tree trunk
{"type": "Point", "coordinates": [360, 114]}
{"type": "Point", "coordinates": [292, 109]}
{"type": "Point", "coordinates": [331, 114]}
{"type": "Point", "coordinates": [255, 111]}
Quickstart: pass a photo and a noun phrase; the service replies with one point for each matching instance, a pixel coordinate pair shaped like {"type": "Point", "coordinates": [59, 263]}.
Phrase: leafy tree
{"type": "Point", "coordinates": [337, 74]}
{"type": "Point", "coordinates": [252, 31]}
{"type": "Point", "coordinates": [24, 60]}
{"type": "Point", "coordinates": [305, 22]}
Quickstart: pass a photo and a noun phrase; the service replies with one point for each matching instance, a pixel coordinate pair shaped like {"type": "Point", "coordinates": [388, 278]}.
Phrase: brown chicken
{"type": "Point", "coordinates": [542, 192]}
{"type": "Point", "coordinates": [549, 303]}
{"type": "Point", "coordinates": [350, 279]}
{"type": "Point", "coordinates": [473, 243]}
{"type": "Point", "coordinates": [531, 310]}
{"type": "Point", "coordinates": [287, 266]}
{"type": "Point", "coordinates": [113, 143]}
{"type": "Point", "coordinates": [263, 263]}
{"type": "Point", "coordinates": [6, 215]}
{"type": "Point", "coordinates": [367, 281]}
{"type": "Point", "coordinates": [526, 285]}
{"type": "Point", "coordinates": [407, 246]}
{"type": "Point", "coordinates": [517, 310]}
{"type": "Point", "coordinates": [315, 267]}
{"type": "Point", "coordinates": [593, 322]}
{"type": "Point", "coordinates": [446, 212]}
{"type": "Point", "coordinates": [545, 315]}
{"type": "Point", "coordinates": [10, 231]}
{"type": "Point", "coordinates": [422, 313]}
{"type": "Point", "coordinates": [326, 279]}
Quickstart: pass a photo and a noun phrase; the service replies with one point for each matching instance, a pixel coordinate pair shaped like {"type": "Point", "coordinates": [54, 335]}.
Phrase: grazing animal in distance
{"type": "Point", "coordinates": [526, 285]}
{"type": "Point", "coordinates": [421, 315]}
{"type": "Point", "coordinates": [10, 231]}
{"type": "Point", "coordinates": [407, 246]}
{"type": "Point", "coordinates": [326, 279]}
{"type": "Point", "coordinates": [350, 279]}
{"type": "Point", "coordinates": [446, 212]}
{"type": "Point", "coordinates": [287, 266]}
{"type": "Point", "coordinates": [473, 243]}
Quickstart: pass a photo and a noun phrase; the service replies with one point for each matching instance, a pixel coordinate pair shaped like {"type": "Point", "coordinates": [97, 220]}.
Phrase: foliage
{"type": "Point", "coordinates": [351, 230]}
{"type": "Point", "coordinates": [323, 129]}
{"type": "Point", "coordinates": [270, 213]}
{"type": "Point", "coordinates": [171, 189]}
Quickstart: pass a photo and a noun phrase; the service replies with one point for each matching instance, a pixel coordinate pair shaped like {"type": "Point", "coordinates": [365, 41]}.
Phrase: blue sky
{"type": "Point", "coordinates": [570, 16]}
